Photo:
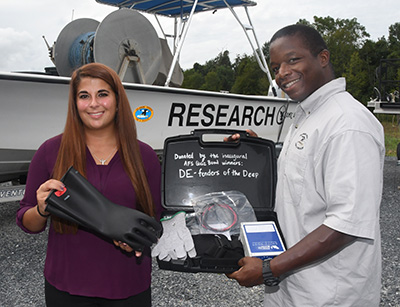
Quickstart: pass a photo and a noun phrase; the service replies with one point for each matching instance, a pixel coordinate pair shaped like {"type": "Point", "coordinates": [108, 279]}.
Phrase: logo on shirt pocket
{"type": "Point", "coordinates": [302, 141]}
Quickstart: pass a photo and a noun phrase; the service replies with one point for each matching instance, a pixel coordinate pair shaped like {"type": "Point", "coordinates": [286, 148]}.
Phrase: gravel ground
{"type": "Point", "coordinates": [22, 259]}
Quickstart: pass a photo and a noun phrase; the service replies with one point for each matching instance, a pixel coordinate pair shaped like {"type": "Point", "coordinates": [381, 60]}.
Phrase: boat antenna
{"type": "Point", "coordinates": [50, 49]}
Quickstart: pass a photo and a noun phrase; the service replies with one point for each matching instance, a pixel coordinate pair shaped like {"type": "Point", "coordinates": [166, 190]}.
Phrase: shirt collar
{"type": "Point", "coordinates": [322, 95]}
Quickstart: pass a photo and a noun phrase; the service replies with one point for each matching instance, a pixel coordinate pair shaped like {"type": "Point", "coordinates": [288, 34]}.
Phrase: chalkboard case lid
{"type": "Point", "coordinates": [201, 163]}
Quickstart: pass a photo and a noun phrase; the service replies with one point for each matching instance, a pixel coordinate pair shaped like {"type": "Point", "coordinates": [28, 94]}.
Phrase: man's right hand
{"type": "Point", "coordinates": [236, 136]}
{"type": "Point", "coordinates": [250, 273]}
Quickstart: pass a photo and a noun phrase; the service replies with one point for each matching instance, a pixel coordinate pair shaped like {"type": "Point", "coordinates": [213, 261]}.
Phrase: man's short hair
{"type": "Point", "coordinates": [311, 37]}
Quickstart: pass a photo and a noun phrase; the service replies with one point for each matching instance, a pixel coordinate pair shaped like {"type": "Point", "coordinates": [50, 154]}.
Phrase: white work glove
{"type": "Point", "coordinates": [176, 241]}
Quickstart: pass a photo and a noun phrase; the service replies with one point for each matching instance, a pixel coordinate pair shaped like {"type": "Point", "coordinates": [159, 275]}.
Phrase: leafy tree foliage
{"type": "Point", "coordinates": [357, 80]}
{"type": "Point", "coordinates": [343, 37]}
{"type": "Point", "coordinates": [394, 41]}
{"type": "Point", "coordinates": [250, 79]}
{"type": "Point", "coordinates": [215, 75]}
{"type": "Point", "coordinates": [353, 56]}
{"type": "Point", "coordinates": [193, 79]}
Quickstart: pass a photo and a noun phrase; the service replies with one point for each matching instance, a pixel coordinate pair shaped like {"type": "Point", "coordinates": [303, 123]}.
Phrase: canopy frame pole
{"type": "Point", "coordinates": [182, 37]}
{"type": "Point", "coordinates": [160, 26]}
{"type": "Point", "coordinates": [257, 52]}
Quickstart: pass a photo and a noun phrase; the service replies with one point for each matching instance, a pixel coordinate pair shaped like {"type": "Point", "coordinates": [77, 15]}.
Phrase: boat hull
{"type": "Point", "coordinates": [34, 107]}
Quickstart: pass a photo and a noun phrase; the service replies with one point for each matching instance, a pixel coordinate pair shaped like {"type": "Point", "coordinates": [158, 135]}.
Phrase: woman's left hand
{"type": "Point", "coordinates": [125, 247]}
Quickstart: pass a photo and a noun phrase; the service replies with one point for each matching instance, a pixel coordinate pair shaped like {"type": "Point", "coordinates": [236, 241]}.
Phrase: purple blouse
{"type": "Point", "coordinates": [83, 263]}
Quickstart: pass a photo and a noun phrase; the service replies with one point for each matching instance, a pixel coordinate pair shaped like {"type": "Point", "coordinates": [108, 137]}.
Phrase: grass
{"type": "Point", "coordinates": [392, 133]}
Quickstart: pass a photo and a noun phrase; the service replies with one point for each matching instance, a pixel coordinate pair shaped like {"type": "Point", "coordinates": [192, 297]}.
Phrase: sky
{"type": "Point", "coordinates": [24, 22]}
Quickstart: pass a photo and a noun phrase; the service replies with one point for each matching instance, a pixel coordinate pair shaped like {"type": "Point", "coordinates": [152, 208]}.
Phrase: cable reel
{"type": "Point", "coordinates": [125, 41]}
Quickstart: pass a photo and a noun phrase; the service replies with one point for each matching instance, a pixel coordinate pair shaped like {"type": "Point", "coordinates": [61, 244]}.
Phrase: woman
{"type": "Point", "coordinates": [100, 141]}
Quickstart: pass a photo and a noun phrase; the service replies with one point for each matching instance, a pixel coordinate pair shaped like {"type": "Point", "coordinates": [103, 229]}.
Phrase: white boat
{"type": "Point", "coordinates": [33, 106]}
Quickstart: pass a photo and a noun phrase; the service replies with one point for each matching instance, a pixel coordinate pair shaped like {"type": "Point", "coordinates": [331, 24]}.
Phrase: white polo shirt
{"type": "Point", "coordinates": [330, 171]}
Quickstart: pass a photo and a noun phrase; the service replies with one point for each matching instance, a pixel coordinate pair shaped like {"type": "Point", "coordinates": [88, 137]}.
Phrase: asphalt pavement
{"type": "Point", "coordinates": [22, 258]}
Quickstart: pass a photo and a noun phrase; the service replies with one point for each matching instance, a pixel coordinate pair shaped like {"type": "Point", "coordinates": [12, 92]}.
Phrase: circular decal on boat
{"type": "Point", "coordinates": [143, 113]}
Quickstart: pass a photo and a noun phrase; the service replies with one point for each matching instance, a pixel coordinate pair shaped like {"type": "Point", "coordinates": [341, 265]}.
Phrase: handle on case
{"type": "Point", "coordinates": [200, 133]}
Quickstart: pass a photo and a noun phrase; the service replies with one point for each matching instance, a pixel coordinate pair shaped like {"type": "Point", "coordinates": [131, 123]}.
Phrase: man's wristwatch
{"type": "Point", "coordinates": [269, 279]}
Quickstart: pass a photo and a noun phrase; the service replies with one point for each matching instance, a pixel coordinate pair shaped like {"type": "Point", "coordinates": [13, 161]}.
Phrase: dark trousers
{"type": "Point", "coordinates": [57, 298]}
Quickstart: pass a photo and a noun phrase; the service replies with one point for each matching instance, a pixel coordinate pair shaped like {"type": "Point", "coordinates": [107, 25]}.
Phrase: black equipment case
{"type": "Point", "coordinates": [201, 163]}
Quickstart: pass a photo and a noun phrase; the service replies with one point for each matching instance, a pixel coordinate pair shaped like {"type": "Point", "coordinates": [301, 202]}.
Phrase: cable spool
{"type": "Point", "coordinates": [81, 50]}
{"type": "Point", "coordinates": [125, 41]}
{"type": "Point", "coordinates": [128, 33]}
{"type": "Point", "coordinates": [74, 45]}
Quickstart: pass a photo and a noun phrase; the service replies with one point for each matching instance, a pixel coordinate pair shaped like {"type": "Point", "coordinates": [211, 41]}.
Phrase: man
{"type": "Point", "coordinates": [329, 186]}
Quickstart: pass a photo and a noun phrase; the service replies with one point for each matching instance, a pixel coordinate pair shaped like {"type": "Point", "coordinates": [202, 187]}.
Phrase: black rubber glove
{"type": "Point", "coordinates": [83, 204]}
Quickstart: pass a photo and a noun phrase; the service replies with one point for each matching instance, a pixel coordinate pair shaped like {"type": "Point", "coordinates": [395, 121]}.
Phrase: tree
{"type": "Point", "coordinates": [250, 79]}
{"type": "Point", "coordinates": [192, 79]}
{"type": "Point", "coordinates": [215, 75]}
{"type": "Point", "coordinates": [343, 37]}
{"type": "Point", "coordinates": [211, 82]}
{"type": "Point", "coordinates": [394, 41]}
{"type": "Point", "coordinates": [357, 81]}
{"type": "Point", "coordinates": [353, 55]}
{"type": "Point", "coordinates": [372, 53]}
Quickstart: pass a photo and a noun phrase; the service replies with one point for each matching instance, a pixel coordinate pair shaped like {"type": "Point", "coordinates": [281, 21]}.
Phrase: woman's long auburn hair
{"type": "Point", "coordinates": [73, 146]}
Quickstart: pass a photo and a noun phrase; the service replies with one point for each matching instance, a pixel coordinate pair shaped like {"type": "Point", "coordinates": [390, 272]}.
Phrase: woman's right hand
{"type": "Point", "coordinates": [35, 218]}
{"type": "Point", "coordinates": [44, 191]}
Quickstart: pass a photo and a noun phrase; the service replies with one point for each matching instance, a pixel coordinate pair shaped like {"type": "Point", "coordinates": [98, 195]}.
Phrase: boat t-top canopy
{"type": "Point", "coordinates": [184, 10]}
{"type": "Point", "coordinates": [175, 8]}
